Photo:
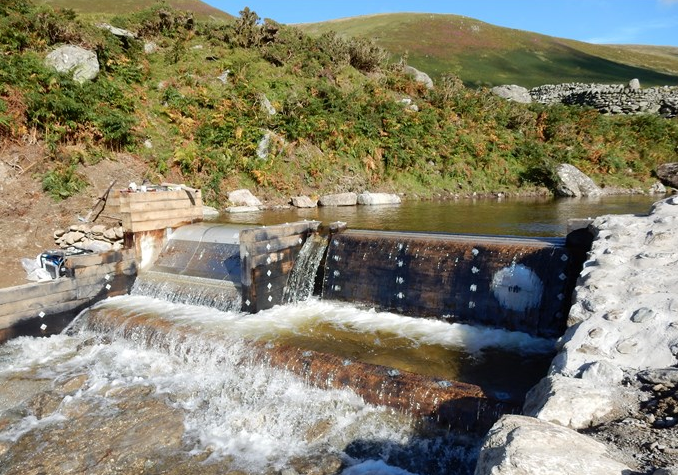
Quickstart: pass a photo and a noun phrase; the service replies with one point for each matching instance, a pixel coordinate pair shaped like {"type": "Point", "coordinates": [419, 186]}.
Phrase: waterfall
{"type": "Point", "coordinates": [190, 290]}
{"type": "Point", "coordinates": [302, 278]}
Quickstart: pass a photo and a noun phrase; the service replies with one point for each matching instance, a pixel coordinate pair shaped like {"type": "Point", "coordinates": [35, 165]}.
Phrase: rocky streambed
{"type": "Point", "coordinates": [610, 401]}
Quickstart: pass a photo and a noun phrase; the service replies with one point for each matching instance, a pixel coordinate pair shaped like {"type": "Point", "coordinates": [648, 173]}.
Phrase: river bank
{"type": "Point", "coordinates": [609, 403]}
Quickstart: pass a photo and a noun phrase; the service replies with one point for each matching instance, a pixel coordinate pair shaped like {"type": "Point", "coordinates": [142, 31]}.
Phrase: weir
{"type": "Point", "coordinates": [199, 265]}
{"type": "Point", "coordinates": [258, 311]}
{"type": "Point", "coordinates": [511, 283]}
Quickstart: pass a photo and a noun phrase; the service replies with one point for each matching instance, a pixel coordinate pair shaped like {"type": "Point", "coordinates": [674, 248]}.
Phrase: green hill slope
{"type": "Point", "coordinates": [120, 7]}
{"type": "Point", "coordinates": [484, 54]}
{"type": "Point", "coordinates": [226, 105]}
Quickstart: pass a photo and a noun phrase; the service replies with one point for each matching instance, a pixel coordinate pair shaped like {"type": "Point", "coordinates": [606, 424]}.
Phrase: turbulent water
{"type": "Point", "coordinates": [119, 401]}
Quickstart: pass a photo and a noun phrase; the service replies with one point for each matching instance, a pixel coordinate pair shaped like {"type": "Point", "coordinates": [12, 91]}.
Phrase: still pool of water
{"type": "Point", "coordinates": [519, 217]}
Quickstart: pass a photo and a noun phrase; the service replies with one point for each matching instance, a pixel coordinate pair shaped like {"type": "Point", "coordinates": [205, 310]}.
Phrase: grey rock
{"type": "Point", "coordinates": [572, 182]}
{"type": "Point", "coordinates": [303, 202]}
{"type": "Point", "coordinates": [243, 198]}
{"type": "Point", "coordinates": [419, 76]}
{"type": "Point", "coordinates": [266, 105]}
{"type": "Point", "coordinates": [150, 47]}
{"type": "Point", "coordinates": [209, 212]}
{"type": "Point", "coordinates": [73, 237]}
{"type": "Point", "coordinates": [643, 315]}
{"type": "Point", "coordinates": [657, 189]}
{"type": "Point", "coordinates": [603, 372]}
{"type": "Point", "coordinates": [368, 198]}
{"type": "Point", "coordinates": [513, 93]}
{"type": "Point", "coordinates": [668, 174]}
{"type": "Point", "coordinates": [266, 145]}
{"type": "Point", "coordinates": [242, 209]}
{"type": "Point", "coordinates": [519, 445]}
{"type": "Point", "coordinates": [117, 31]}
{"type": "Point", "coordinates": [82, 63]}
{"type": "Point", "coordinates": [224, 76]}
{"type": "Point", "coordinates": [665, 376]}
{"type": "Point", "coordinates": [570, 402]}
{"type": "Point", "coordinates": [339, 199]}
{"type": "Point", "coordinates": [611, 98]}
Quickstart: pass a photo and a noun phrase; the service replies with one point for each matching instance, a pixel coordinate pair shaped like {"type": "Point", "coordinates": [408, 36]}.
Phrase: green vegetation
{"type": "Point", "coordinates": [342, 119]}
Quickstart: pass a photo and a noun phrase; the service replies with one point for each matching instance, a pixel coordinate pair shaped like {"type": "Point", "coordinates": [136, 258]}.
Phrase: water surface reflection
{"type": "Point", "coordinates": [521, 217]}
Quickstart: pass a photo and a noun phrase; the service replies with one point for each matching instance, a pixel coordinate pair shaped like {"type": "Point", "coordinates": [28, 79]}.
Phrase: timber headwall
{"type": "Point", "coordinates": [267, 256]}
{"type": "Point", "coordinates": [521, 284]}
{"type": "Point", "coordinates": [47, 307]}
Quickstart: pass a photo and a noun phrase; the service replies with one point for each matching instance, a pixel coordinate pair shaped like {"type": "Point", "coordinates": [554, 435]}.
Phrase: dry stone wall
{"type": "Point", "coordinates": [611, 98]}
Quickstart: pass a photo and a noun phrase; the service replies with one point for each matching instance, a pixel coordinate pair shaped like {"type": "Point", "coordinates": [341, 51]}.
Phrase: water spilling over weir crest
{"type": "Point", "coordinates": [318, 382]}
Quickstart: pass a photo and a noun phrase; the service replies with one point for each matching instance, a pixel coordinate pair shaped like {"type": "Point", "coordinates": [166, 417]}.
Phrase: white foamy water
{"type": "Point", "coordinates": [301, 318]}
{"type": "Point", "coordinates": [257, 416]}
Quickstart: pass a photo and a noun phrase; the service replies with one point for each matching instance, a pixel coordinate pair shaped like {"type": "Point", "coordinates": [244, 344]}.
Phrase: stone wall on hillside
{"type": "Point", "coordinates": [611, 98]}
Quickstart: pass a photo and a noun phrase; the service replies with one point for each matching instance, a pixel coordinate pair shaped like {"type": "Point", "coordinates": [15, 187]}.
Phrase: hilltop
{"type": "Point", "coordinates": [482, 54]}
{"type": "Point", "coordinates": [104, 8]}
{"type": "Point", "coordinates": [241, 103]}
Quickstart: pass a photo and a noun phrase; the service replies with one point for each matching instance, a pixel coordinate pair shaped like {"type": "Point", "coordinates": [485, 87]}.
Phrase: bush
{"type": "Point", "coordinates": [63, 182]}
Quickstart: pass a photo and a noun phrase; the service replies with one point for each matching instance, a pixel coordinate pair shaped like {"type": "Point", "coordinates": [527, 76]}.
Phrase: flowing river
{"type": "Point", "coordinates": [142, 385]}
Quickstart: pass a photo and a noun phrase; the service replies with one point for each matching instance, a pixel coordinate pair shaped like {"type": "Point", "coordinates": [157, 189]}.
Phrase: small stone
{"type": "Point", "coordinates": [627, 347]}
{"type": "Point", "coordinates": [110, 234]}
{"type": "Point", "coordinates": [98, 229]}
{"type": "Point", "coordinates": [73, 237]}
{"type": "Point", "coordinates": [642, 315]}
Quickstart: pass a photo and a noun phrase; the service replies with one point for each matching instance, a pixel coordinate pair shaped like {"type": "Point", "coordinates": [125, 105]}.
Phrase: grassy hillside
{"type": "Point", "coordinates": [484, 54]}
{"type": "Point", "coordinates": [198, 111]}
{"type": "Point", "coordinates": [97, 8]}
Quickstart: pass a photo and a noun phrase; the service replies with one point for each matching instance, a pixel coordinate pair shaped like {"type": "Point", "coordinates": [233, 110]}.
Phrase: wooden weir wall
{"type": "Point", "coordinates": [47, 307]}
{"type": "Point", "coordinates": [515, 283]}
{"type": "Point", "coordinates": [267, 256]}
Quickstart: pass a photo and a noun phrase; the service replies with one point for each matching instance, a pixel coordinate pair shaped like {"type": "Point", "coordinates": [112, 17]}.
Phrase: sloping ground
{"type": "Point", "coordinates": [119, 7]}
{"type": "Point", "coordinates": [483, 54]}
{"type": "Point", "coordinates": [29, 217]}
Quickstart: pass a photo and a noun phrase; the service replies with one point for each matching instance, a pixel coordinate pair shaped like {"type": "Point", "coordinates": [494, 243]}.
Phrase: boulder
{"type": "Point", "coordinates": [634, 84]}
{"type": "Point", "coordinates": [150, 47]}
{"type": "Point", "coordinates": [514, 93]}
{"type": "Point", "coordinates": [657, 188]}
{"type": "Point", "coordinates": [572, 182]}
{"type": "Point", "coordinates": [303, 202]}
{"type": "Point", "coordinates": [570, 402]}
{"type": "Point", "coordinates": [368, 198]}
{"type": "Point", "coordinates": [242, 209]}
{"type": "Point", "coordinates": [339, 199]}
{"type": "Point", "coordinates": [668, 174]}
{"type": "Point", "coordinates": [209, 212]}
{"type": "Point", "coordinates": [243, 198]}
{"type": "Point", "coordinates": [519, 445]}
{"type": "Point", "coordinates": [82, 63]}
{"type": "Point", "coordinates": [266, 106]}
{"type": "Point", "coordinates": [419, 76]}
{"type": "Point", "coordinates": [119, 32]}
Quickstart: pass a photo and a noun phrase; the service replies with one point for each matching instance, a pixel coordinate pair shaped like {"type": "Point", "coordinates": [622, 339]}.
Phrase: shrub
{"type": "Point", "coordinates": [63, 182]}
